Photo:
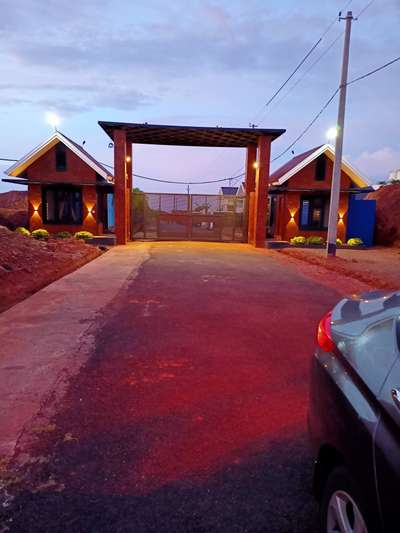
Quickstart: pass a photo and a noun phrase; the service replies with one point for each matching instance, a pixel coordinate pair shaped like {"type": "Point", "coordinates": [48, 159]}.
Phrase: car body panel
{"type": "Point", "coordinates": [344, 416]}
{"type": "Point", "coordinates": [352, 412]}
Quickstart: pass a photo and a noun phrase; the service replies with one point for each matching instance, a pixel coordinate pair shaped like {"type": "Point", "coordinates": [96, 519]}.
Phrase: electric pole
{"type": "Point", "coordinates": [337, 167]}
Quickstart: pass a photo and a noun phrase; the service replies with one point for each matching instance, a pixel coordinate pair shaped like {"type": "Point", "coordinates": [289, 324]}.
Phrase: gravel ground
{"type": "Point", "coordinates": [27, 265]}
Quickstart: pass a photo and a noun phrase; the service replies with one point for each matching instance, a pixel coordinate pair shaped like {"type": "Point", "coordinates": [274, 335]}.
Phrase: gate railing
{"type": "Point", "coordinates": [204, 217]}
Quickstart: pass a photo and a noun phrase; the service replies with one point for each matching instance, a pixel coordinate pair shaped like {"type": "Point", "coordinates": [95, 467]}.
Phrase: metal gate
{"type": "Point", "coordinates": [195, 217]}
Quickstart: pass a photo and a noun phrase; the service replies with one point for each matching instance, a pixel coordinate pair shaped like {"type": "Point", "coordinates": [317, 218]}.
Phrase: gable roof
{"type": "Point", "coordinates": [292, 167]}
{"type": "Point", "coordinates": [229, 190]}
{"type": "Point", "coordinates": [56, 137]}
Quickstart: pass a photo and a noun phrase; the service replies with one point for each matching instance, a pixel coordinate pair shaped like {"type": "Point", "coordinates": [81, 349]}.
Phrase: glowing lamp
{"type": "Point", "coordinates": [53, 119]}
{"type": "Point", "coordinates": [128, 159]}
{"type": "Point", "coordinates": [255, 164]}
{"type": "Point", "coordinates": [332, 133]}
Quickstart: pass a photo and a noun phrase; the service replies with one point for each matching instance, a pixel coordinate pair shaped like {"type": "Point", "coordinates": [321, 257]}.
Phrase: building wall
{"type": "Point", "coordinates": [44, 169]}
{"type": "Point", "coordinates": [77, 172]}
{"type": "Point", "coordinates": [89, 198]}
{"type": "Point", "coordinates": [288, 210]}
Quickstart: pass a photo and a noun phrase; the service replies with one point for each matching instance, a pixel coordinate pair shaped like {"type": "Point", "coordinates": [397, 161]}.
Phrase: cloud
{"type": "Point", "coordinates": [74, 98]}
{"type": "Point", "coordinates": [379, 163]}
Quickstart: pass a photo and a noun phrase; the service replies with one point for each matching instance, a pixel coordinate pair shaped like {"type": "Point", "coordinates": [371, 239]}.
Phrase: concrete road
{"type": "Point", "coordinates": [190, 414]}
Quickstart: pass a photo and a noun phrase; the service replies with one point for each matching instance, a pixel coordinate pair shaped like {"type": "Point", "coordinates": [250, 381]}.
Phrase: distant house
{"type": "Point", "coordinates": [68, 190]}
{"type": "Point", "coordinates": [299, 195]}
{"type": "Point", "coordinates": [232, 191]}
{"type": "Point", "coordinates": [228, 191]}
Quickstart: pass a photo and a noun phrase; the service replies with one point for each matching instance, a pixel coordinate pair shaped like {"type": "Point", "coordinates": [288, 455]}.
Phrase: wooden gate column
{"type": "Point", "coordinates": [251, 160]}
{"type": "Point", "coordinates": [129, 187]}
{"type": "Point", "coordinates": [120, 187]}
{"type": "Point", "coordinates": [261, 192]}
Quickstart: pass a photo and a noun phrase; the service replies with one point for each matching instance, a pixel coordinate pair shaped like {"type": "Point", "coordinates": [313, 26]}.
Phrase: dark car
{"type": "Point", "coordinates": [354, 415]}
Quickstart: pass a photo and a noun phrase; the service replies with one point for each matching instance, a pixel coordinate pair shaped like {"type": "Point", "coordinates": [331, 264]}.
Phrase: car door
{"type": "Point", "coordinates": [387, 445]}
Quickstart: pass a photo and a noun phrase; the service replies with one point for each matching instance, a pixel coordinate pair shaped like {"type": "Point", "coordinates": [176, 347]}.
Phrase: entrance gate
{"type": "Point", "coordinates": [194, 217]}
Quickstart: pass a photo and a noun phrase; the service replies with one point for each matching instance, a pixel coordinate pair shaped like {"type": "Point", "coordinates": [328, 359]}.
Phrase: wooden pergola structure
{"type": "Point", "coordinates": [257, 142]}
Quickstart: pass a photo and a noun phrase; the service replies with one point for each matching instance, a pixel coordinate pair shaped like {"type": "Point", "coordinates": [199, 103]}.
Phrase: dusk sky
{"type": "Point", "coordinates": [196, 62]}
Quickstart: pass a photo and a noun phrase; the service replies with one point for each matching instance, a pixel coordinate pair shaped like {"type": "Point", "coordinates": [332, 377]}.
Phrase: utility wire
{"type": "Point", "coordinates": [374, 71]}
{"type": "Point", "coordinates": [314, 120]}
{"type": "Point", "coordinates": [310, 68]}
{"type": "Point", "coordinates": [370, 73]}
{"type": "Point", "coordinates": [304, 59]}
{"type": "Point", "coordinates": [364, 9]}
{"type": "Point", "coordinates": [216, 180]}
{"type": "Point", "coordinates": [187, 182]}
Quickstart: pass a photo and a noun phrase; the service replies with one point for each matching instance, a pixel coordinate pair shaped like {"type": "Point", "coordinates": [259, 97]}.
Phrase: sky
{"type": "Point", "coordinates": [197, 62]}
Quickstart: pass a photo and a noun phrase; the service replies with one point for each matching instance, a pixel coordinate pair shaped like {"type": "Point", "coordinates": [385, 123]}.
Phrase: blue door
{"type": "Point", "coordinates": [361, 220]}
{"type": "Point", "coordinates": [110, 212]}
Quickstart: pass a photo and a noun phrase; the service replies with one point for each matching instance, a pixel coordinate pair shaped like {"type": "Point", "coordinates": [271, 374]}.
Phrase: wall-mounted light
{"type": "Point", "coordinates": [128, 158]}
{"type": "Point", "coordinates": [255, 164]}
{"type": "Point", "coordinates": [90, 209]}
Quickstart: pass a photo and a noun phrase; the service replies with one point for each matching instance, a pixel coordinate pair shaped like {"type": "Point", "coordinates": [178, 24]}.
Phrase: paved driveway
{"type": "Point", "coordinates": [190, 414]}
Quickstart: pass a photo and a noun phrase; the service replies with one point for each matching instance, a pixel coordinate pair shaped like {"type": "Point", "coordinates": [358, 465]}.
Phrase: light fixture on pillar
{"type": "Point", "coordinates": [255, 164]}
{"type": "Point", "coordinates": [128, 159]}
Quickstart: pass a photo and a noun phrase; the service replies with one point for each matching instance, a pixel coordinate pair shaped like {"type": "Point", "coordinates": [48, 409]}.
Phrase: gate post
{"type": "Point", "coordinates": [129, 164]}
{"type": "Point", "coordinates": [261, 192]}
{"type": "Point", "coordinates": [251, 158]}
{"type": "Point", "coordinates": [120, 186]}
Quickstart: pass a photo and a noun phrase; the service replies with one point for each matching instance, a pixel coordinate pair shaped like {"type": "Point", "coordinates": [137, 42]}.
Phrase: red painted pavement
{"type": "Point", "coordinates": [198, 385]}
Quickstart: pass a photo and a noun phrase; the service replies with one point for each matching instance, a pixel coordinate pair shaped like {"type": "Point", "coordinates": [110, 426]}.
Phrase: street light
{"type": "Point", "coordinates": [332, 133]}
{"type": "Point", "coordinates": [53, 119]}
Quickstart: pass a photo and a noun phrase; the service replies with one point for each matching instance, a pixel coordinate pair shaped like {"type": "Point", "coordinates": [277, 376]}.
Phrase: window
{"type": "Point", "coordinates": [320, 167]}
{"type": "Point", "coordinates": [61, 158]}
{"type": "Point", "coordinates": [314, 212]}
{"type": "Point", "coordinates": [62, 205]}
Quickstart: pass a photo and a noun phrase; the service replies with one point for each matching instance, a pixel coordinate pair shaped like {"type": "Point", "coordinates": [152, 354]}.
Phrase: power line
{"type": "Point", "coordinates": [314, 120]}
{"type": "Point", "coordinates": [310, 68]}
{"type": "Point", "coordinates": [364, 9]}
{"type": "Point", "coordinates": [293, 73]}
{"type": "Point", "coordinates": [303, 60]}
{"type": "Point", "coordinates": [330, 100]}
{"type": "Point", "coordinates": [7, 159]}
{"type": "Point", "coordinates": [175, 181]}
{"type": "Point", "coordinates": [159, 180]}
{"type": "Point", "coordinates": [374, 71]}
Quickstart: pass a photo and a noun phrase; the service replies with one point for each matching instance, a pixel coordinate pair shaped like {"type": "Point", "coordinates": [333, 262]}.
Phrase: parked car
{"type": "Point", "coordinates": [354, 415]}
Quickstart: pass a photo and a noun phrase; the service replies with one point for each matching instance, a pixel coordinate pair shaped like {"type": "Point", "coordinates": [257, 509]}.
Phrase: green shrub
{"type": "Point", "coordinates": [339, 242]}
{"type": "Point", "coordinates": [41, 234]}
{"type": "Point", "coordinates": [23, 231]}
{"type": "Point", "coordinates": [314, 239]}
{"type": "Point", "coordinates": [355, 241]}
{"type": "Point", "coordinates": [63, 235]}
{"type": "Point", "coordinates": [298, 240]}
{"type": "Point", "coordinates": [84, 235]}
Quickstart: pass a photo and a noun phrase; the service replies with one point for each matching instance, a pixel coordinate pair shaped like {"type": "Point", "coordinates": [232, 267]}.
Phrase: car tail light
{"type": "Point", "coordinates": [324, 334]}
